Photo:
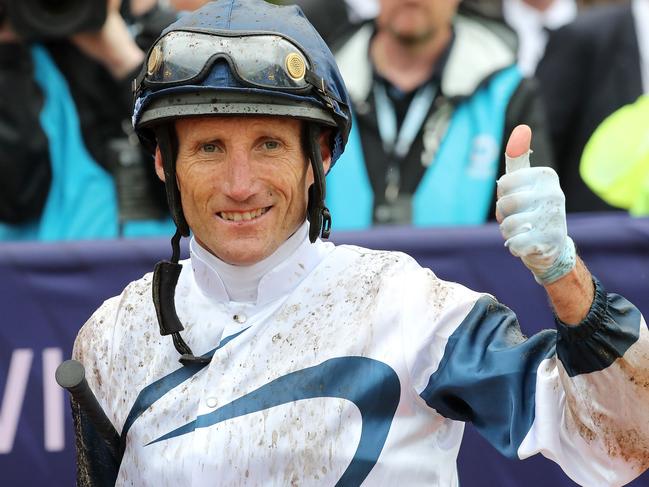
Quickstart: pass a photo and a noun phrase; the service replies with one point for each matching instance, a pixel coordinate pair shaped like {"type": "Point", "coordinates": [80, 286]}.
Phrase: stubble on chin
{"type": "Point", "coordinates": [412, 39]}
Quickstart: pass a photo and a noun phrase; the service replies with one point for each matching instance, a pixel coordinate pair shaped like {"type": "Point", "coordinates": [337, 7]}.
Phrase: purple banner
{"type": "Point", "coordinates": [49, 290]}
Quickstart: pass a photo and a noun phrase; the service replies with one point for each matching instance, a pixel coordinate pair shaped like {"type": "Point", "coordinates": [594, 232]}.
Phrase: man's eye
{"type": "Point", "coordinates": [271, 144]}
{"type": "Point", "coordinates": [209, 147]}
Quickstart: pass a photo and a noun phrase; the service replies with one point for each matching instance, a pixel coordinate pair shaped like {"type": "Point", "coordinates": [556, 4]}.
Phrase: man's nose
{"type": "Point", "coordinates": [240, 179]}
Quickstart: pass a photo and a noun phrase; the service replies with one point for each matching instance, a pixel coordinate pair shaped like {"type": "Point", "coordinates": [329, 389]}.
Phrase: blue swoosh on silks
{"type": "Point", "coordinates": [371, 385]}
{"type": "Point", "coordinates": [154, 391]}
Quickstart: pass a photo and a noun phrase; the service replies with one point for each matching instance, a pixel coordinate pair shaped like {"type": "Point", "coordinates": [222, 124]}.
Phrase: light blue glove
{"type": "Point", "coordinates": [532, 215]}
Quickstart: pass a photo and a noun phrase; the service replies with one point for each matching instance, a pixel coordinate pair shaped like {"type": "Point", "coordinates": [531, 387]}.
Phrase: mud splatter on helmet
{"type": "Point", "coordinates": [242, 57]}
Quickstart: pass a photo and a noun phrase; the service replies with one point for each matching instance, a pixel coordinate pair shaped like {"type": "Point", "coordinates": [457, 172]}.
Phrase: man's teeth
{"type": "Point", "coordinates": [245, 215]}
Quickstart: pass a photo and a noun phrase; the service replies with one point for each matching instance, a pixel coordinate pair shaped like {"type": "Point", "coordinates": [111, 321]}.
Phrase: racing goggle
{"type": "Point", "coordinates": [258, 59]}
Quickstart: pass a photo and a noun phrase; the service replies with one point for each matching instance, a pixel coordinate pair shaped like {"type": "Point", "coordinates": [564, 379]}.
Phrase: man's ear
{"type": "Point", "coordinates": [325, 149]}
{"type": "Point", "coordinates": [159, 169]}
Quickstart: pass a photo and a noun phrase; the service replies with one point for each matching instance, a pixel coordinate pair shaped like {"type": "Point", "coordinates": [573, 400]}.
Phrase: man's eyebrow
{"type": "Point", "coordinates": [195, 142]}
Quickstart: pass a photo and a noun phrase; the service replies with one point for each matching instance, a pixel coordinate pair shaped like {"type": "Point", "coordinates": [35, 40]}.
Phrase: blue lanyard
{"type": "Point", "coordinates": [394, 143]}
{"type": "Point", "coordinates": [397, 145]}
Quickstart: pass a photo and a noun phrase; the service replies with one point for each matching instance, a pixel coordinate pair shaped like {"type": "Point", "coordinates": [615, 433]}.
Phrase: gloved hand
{"type": "Point", "coordinates": [531, 212]}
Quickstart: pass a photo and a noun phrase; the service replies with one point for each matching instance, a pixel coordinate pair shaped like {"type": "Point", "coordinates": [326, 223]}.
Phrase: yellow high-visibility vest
{"type": "Point", "coordinates": [615, 161]}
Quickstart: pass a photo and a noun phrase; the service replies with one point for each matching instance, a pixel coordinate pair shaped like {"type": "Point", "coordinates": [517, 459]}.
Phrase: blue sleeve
{"type": "Point", "coordinates": [488, 373]}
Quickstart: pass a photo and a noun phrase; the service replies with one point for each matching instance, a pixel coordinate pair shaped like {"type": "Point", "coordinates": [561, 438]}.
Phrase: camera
{"type": "Point", "coordinates": [53, 19]}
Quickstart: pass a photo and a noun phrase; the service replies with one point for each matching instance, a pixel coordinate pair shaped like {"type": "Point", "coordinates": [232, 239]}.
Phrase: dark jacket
{"type": "Point", "coordinates": [24, 157]}
{"type": "Point", "coordinates": [590, 69]}
{"type": "Point", "coordinates": [103, 105]}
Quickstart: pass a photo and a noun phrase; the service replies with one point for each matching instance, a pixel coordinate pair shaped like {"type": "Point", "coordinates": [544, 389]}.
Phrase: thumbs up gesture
{"type": "Point", "coordinates": [531, 212]}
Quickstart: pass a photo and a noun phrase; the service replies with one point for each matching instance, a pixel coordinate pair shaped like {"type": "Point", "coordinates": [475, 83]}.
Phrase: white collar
{"type": "Point", "coordinates": [264, 281]}
{"type": "Point", "coordinates": [640, 10]}
{"type": "Point", "coordinates": [559, 13]}
{"type": "Point", "coordinates": [530, 25]}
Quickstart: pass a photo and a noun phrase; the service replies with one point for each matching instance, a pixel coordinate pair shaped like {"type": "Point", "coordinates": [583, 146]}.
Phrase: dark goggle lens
{"type": "Point", "coordinates": [261, 60]}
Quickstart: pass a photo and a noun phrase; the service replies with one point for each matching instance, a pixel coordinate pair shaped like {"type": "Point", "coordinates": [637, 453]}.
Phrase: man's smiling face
{"type": "Point", "coordinates": [243, 183]}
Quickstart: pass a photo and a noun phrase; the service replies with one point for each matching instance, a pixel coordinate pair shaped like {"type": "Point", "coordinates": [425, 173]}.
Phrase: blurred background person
{"type": "Point", "coordinates": [533, 20]}
{"type": "Point", "coordinates": [592, 67]}
{"type": "Point", "coordinates": [434, 90]}
{"type": "Point", "coordinates": [615, 162]}
{"type": "Point", "coordinates": [72, 168]}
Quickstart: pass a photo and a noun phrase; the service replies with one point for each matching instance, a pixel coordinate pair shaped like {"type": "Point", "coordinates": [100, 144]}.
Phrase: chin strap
{"type": "Point", "coordinates": [317, 213]}
{"type": "Point", "coordinates": [165, 278]}
{"type": "Point", "coordinates": [166, 273]}
{"type": "Point", "coordinates": [168, 145]}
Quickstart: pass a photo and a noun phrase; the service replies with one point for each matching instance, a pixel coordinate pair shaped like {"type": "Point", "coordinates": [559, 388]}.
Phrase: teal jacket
{"type": "Point", "coordinates": [462, 138]}
{"type": "Point", "coordinates": [82, 200]}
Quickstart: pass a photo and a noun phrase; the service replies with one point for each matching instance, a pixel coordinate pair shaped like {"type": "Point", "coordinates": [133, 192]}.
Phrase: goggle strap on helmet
{"type": "Point", "coordinates": [321, 88]}
{"type": "Point", "coordinates": [317, 213]}
{"type": "Point", "coordinates": [168, 145]}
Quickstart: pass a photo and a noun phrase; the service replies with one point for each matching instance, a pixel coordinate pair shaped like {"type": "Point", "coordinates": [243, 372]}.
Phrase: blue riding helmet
{"type": "Point", "coordinates": [236, 57]}
{"type": "Point", "coordinates": [242, 57]}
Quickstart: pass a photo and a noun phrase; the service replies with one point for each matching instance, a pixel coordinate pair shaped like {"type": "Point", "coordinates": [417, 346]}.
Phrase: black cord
{"type": "Point", "coordinates": [175, 246]}
{"type": "Point", "coordinates": [317, 213]}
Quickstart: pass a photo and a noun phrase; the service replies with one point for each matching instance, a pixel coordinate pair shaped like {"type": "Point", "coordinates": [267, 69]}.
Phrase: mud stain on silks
{"type": "Point", "coordinates": [608, 408]}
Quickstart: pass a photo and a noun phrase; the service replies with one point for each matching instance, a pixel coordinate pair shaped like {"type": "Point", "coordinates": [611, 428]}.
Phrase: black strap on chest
{"type": "Point", "coordinates": [165, 279]}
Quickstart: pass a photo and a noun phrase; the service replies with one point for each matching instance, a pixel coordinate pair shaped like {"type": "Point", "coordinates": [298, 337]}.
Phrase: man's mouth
{"type": "Point", "coordinates": [236, 216]}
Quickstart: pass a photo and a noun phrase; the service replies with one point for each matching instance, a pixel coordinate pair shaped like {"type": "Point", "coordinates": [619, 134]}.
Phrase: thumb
{"type": "Point", "coordinates": [517, 153]}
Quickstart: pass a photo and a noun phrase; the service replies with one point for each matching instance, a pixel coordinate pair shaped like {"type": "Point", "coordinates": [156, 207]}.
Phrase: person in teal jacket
{"type": "Point", "coordinates": [64, 101]}
{"type": "Point", "coordinates": [435, 88]}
